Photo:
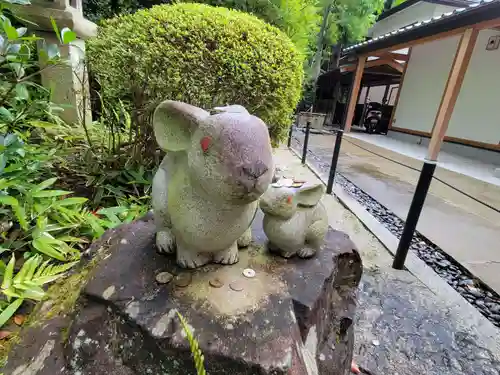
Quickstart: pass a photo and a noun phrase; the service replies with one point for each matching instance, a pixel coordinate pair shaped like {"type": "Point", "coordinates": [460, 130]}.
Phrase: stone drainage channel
{"type": "Point", "coordinates": [472, 289]}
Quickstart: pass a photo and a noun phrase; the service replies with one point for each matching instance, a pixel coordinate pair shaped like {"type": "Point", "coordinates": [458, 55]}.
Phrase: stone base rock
{"type": "Point", "coordinates": [294, 317]}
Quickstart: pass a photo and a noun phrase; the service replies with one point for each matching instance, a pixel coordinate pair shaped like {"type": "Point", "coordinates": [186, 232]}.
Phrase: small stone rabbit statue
{"type": "Point", "coordinates": [295, 221]}
{"type": "Point", "coordinates": [206, 190]}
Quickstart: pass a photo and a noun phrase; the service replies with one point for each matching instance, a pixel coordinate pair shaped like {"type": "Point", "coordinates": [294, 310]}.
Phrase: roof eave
{"type": "Point", "coordinates": [468, 17]}
{"type": "Point", "coordinates": [409, 3]}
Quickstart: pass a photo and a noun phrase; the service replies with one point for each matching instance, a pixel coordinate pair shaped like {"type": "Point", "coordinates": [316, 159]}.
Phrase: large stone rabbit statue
{"type": "Point", "coordinates": [206, 190]}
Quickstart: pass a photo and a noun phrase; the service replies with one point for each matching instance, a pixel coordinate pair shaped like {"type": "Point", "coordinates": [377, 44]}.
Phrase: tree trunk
{"type": "Point", "coordinates": [337, 51]}
{"type": "Point", "coordinates": [318, 56]}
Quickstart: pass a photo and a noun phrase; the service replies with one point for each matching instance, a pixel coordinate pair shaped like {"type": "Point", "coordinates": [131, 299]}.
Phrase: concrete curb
{"type": "Point", "coordinates": [413, 264]}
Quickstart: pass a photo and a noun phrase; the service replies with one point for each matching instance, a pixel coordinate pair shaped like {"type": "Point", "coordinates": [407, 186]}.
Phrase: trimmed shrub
{"type": "Point", "coordinates": [95, 10]}
{"type": "Point", "coordinates": [299, 19]}
{"type": "Point", "coordinates": [203, 55]}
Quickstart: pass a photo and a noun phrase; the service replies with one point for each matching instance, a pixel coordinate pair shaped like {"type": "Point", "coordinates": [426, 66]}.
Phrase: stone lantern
{"type": "Point", "coordinates": [69, 81]}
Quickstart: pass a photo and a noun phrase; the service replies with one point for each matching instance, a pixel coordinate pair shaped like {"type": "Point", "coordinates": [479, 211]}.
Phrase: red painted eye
{"type": "Point", "coordinates": [289, 200]}
{"type": "Point", "coordinates": [205, 143]}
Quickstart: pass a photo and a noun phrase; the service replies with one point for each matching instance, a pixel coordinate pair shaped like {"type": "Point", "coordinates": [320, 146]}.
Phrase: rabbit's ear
{"type": "Point", "coordinates": [309, 196]}
{"type": "Point", "coordinates": [175, 122]}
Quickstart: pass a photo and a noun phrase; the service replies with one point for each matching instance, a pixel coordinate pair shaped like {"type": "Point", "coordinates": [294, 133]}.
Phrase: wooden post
{"type": "Point", "coordinates": [386, 93]}
{"type": "Point", "coordinates": [451, 91]}
{"type": "Point", "coordinates": [353, 100]}
{"type": "Point", "coordinates": [400, 86]}
{"type": "Point", "coordinates": [367, 93]}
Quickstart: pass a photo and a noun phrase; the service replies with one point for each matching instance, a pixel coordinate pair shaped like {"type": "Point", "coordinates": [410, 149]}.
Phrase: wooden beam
{"type": "Point", "coordinates": [356, 84]}
{"type": "Point", "coordinates": [399, 90]}
{"type": "Point", "coordinates": [378, 62]}
{"type": "Point", "coordinates": [392, 56]}
{"type": "Point", "coordinates": [347, 68]}
{"type": "Point", "coordinates": [451, 91]}
{"type": "Point", "coordinates": [397, 66]}
{"type": "Point", "coordinates": [368, 64]}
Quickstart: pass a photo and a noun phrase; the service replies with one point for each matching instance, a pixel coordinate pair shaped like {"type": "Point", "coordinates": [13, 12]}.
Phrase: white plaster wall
{"type": "Point", "coordinates": [477, 115]}
{"type": "Point", "coordinates": [424, 84]}
{"type": "Point", "coordinates": [417, 12]}
{"type": "Point", "coordinates": [393, 93]}
{"type": "Point", "coordinates": [376, 94]}
{"type": "Point", "coordinates": [361, 99]}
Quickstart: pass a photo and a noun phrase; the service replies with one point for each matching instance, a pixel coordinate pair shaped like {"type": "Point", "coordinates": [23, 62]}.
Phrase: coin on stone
{"type": "Point", "coordinates": [182, 280]}
{"type": "Point", "coordinates": [248, 272]}
{"type": "Point", "coordinates": [236, 286]}
{"type": "Point", "coordinates": [216, 283]}
{"type": "Point", "coordinates": [164, 277]}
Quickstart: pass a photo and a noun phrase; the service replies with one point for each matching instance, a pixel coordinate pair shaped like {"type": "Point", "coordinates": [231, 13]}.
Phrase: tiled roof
{"type": "Point", "coordinates": [420, 25]}
{"type": "Point", "coordinates": [408, 3]}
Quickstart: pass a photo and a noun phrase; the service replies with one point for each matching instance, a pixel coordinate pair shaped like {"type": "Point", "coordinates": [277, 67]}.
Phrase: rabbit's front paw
{"type": "Point", "coordinates": [188, 259]}
{"type": "Point", "coordinates": [229, 256]}
{"type": "Point", "coordinates": [306, 252]}
{"type": "Point", "coordinates": [245, 239]}
{"type": "Point", "coordinates": [287, 254]}
{"type": "Point", "coordinates": [165, 242]}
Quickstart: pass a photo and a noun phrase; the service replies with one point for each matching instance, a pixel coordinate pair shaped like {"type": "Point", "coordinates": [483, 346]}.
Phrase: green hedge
{"type": "Point", "coordinates": [203, 55]}
{"type": "Point", "coordinates": [96, 10]}
{"type": "Point", "coordinates": [299, 19]}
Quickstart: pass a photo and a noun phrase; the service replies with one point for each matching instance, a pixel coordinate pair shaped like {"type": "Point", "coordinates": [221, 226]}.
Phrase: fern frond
{"type": "Point", "coordinates": [52, 272]}
{"type": "Point", "coordinates": [194, 346]}
{"type": "Point", "coordinates": [34, 273]}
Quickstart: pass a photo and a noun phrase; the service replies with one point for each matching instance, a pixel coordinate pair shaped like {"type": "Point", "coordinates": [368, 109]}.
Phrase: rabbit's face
{"type": "Point", "coordinates": [230, 157]}
{"type": "Point", "coordinates": [279, 202]}
{"type": "Point", "coordinates": [283, 202]}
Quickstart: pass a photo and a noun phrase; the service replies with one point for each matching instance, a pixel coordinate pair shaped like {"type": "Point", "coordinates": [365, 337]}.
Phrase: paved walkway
{"type": "Point", "coordinates": [402, 326]}
{"type": "Point", "coordinates": [463, 228]}
{"type": "Point", "coordinates": [456, 163]}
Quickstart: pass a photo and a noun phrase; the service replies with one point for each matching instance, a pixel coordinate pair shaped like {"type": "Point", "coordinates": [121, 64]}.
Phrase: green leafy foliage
{"type": "Point", "coordinates": [350, 19]}
{"type": "Point", "coordinates": [34, 273]}
{"type": "Point", "coordinates": [27, 282]}
{"type": "Point", "coordinates": [41, 214]}
{"type": "Point", "coordinates": [105, 161]}
{"type": "Point", "coordinates": [96, 10]}
{"type": "Point", "coordinates": [43, 225]}
{"type": "Point", "coordinates": [46, 225]}
{"type": "Point", "coordinates": [202, 55]}
{"type": "Point", "coordinates": [194, 346]}
{"type": "Point", "coordinates": [299, 19]}
{"type": "Point", "coordinates": [397, 2]}
{"type": "Point", "coordinates": [8, 310]}
{"type": "Point", "coordinates": [22, 99]}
